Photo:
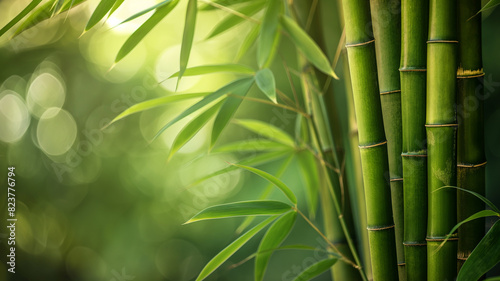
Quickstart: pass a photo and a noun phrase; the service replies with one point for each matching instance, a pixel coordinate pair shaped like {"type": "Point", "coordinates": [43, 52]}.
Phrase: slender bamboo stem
{"type": "Point", "coordinates": [387, 32]}
{"type": "Point", "coordinates": [373, 145]}
{"type": "Point", "coordinates": [414, 23]}
{"type": "Point", "coordinates": [441, 127]}
{"type": "Point", "coordinates": [470, 156]}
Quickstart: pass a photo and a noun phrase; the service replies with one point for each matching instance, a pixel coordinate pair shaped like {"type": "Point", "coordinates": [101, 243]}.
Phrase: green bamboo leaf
{"type": "Point", "coordinates": [267, 130]}
{"type": "Point", "coordinates": [143, 12]}
{"type": "Point", "coordinates": [484, 257]}
{"type": "Point", "coordinates": [227, 111]}
{"type": "Point", "coordinates": [209, 69]}
{"type": "Point", "coordinates": [233, 20]}
{"type": "Point", "coordinates": [225, 254]}
{"type": "Point", "coordinates": [316, 269]}
{"type": "Point", "coordinates": [272, 179]}
{"type": "Point", "coordinates": [266, 83]}
{"type": "Point", "coordinates": [144, 29]}
{"type": "Point", "coordinates": [100, 11]}
{"type": "Point", "coordinates": [489, 5]}
{"type": "Point", "coordinates": [268, 31]}
{"type": "Point", "coordinates": [208, 99]}
{"type": "Point", "coordinates": [274, 236]}
{"type": "Point", "coordinates": [481, 197]}
{"type": "Point", "coordinates": [480, 214]}
{"type": "Point", "coordinates": [149, 104]}
{"type": "Point", "coordinates": [307, 46]}
{"type": "Point", "coordinates": [301, 130]}
{"type": "Point", "coordinates": [188, 37]}
{"type": "Point", "coordinates": [274, 49]}
{"type": "Point", "coordinates": [496, 278]}
{"type": "Point", "coordinates": [248, 42]}
{"type": "Point", "coordinates": [192, 128]}
{"type": "Point", "coordinates": [251, 145]}
{"type": "Point", "coordinates": [260, 159]}
{"type": "Point", "coordinates": [265, 194]}
{"type": "Point", "coordinates": [225, 3]}
{"type": "Point", "coordinates": [44, 12]}
{"type": "Point", "coordinates": [241, 209]}
{"type": "Point", "coordinates": [308, 171]}
{"type": "Point", "coordinates": [115, 7]}
{"type": "Point", "coordinates": [32, 5]}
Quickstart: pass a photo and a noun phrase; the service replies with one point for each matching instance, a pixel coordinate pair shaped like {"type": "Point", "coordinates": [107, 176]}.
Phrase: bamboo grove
{"type": "Point", "coordinates": [392, 153]}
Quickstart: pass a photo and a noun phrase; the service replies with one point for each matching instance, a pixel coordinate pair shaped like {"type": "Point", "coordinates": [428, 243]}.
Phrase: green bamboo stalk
{"type": "Point", "coordinates": [387, 32]}
{"type": "Point", "coordinates": [414, 23]}
{"type": "Point", "coordinates": [373, 145]}
{"type": "Point", "coordinates": [470, 153]}
{"type": "Point", "coordinates": [441, 130]}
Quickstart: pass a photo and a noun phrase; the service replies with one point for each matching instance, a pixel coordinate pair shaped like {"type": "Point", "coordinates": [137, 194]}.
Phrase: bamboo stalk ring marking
{"type": "Point", "coordinates": [436, 239]}
{"type": "Point", "coordinates": [413, 155]}
{"type": "Point", "coordinates": [359, 44]}
{"type": "Point", "coordinates": [402, 264]}
{"type": "Point", "coordinates": [440, 125]}
{"type": "Point", "coordinates": [412, 69]}
{"type": "Point", "coordinates": [396, 179]}
{"type": "Point", "coordinates": [442, 41]}
{"type": "Point", "coordinates": [372, 145]}
{"type": "Point", "coordinates": [472, 165]}
{"type": "Point", "coordinates": [390, 92]}
{"type": "Point", "coordinates": [379, 228]}
{"type": "Point", "coordinates": [415, 244]}
{"type": "Point", "coordinates": [470, 76]}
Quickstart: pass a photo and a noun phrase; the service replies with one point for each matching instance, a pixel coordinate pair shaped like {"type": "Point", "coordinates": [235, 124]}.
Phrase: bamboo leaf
{"type": "Point", "coordinates": [496, 278]}
{"type": "Point", "coordinates": [274, 236]}
{"type": "Point", "coordinates": [233, 20]}
{"type": "Point", "coordinates": [251, 145]}
{"type": "Point", "coordinates": [227, 111]}
{"type": "Point", "coordinates": [144, 29]}
{"type": "Point", "coordinates": [44, 12]}
{"type": "Point", "coordinates": [209, 69]}
{"type": "Point", "coordinates": [484, 257]}
{"type": "Point", "coordinates": [480, 214]}
{"type": "Point", "coordinates": [316, 269]}
{"type": "Point", "coordinates": [267, 130]}
{"type": "Point", "coordinates": [301, 130]}
{"type": "Point", "coordinates": [143, 12]}
{"type": "Point", "coordinates": [308, 171]}
{"type": "Point", "coordinates": [225, 3]}
{"type": "Point", "coordinates": [225, 254]}
{"type": "Point", "coordinates": [266, 83]}
{"type": "Point", "coordinates": [100, 11]}
{"type": "Point", "coordinates": [268, 30]}
{"type": "Point", "coordinates": [149, 104]}
{"type": "Point", "coordinates": [265, 194]}
{"type": "Point", "coordinates": [479, 196]}
{"type": "Point", "coordinates": [248, 42]}
{"type": "Point", "coordinates": [489, 5]}
{"type": "Point", "coordinates": [32, 5]}
{"type": "Point", "coordinates": [307, 46]}
{"type": "Point", "coordinates": [115, 7]}
{"type": "Point", "coordinates": [208, 99]}
{"type": "Point", "coordinates": [188, 36]}
{"type": "Point", "coordinates": [241, 209]}
{"type": "Point", "coordinates": [272, 179]}
{"type": "Point", "coordinates": [192, 128]}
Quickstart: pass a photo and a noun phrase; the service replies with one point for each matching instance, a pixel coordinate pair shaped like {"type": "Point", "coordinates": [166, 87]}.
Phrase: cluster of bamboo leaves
{"type": "Point", "coordinates": [271, 19]}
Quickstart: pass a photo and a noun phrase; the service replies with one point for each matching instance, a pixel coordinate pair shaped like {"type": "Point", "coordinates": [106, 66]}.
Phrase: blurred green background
{"type": "Point", "coordinates": [105, 204]}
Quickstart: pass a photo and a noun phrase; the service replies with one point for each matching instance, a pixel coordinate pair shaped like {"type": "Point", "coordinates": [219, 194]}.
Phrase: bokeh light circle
{"type": "Point", "coordinates": [44, 92]}
{"type": "Point", "coordinates": [56, 131]}
{"type": "Point", "coordinates": [14, 117]}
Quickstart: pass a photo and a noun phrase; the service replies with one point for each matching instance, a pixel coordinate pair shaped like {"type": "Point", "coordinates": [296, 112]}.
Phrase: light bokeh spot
{"type": "Point", "coordinates": [56, 131]}
{"type": "Point", "coordinates": [14, 117]}
{"type": "Point", "coordinates": [44, 92]}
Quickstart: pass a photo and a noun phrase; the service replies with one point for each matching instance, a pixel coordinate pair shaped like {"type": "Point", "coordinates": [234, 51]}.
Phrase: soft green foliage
{"type": "Point", "coordinates": [233, 20]}
{"type": "Point", "coordinates": [136, 37]}
{"type": "Point", "coordinates": [489, 5]}
{"type": "Point", "coordinates": [316, 269]}
{"type": "Point", "coordinates": [274, 180]}
{"type": "Point", "coordinates": [188, 37]}
{"type": "Point", "coordinates": [100, 11]}
{"type": "Point", "coordinates": [309, 172]}
{"type": "Point", "coordinates": [227, 252]}
{"type": "Point", "coordinates": [143, 12]}
{"type": "Point", "coordinates": [265, 81]}
{"type": "Point", "coordinates": [274, 236]}
{"type": "Point", "coordinates": [268, 31]}
{"type": "Point", "coordinates": [267, 130]}
{"type": "Point", "coordinates": [209, 69]}
{"type": "Point", "coordinates": [32, 5]}
{"type": "Point", "coordinates": [484, 257]}
{"type": "Point", "coordinates": [241, 209]}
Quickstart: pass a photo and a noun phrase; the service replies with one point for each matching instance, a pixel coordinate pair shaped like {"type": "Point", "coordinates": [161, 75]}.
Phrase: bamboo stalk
{"type": "Point", "coordinates": [373, 145]}
{"type": "Point", "coordinates": [387, 32]}
{"type": "Point", "coordinates": [441, 129]}
{"type": "Point", "coordinates": [414, 15]}
{"type": "Point", "coordinates": [470, 155]}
